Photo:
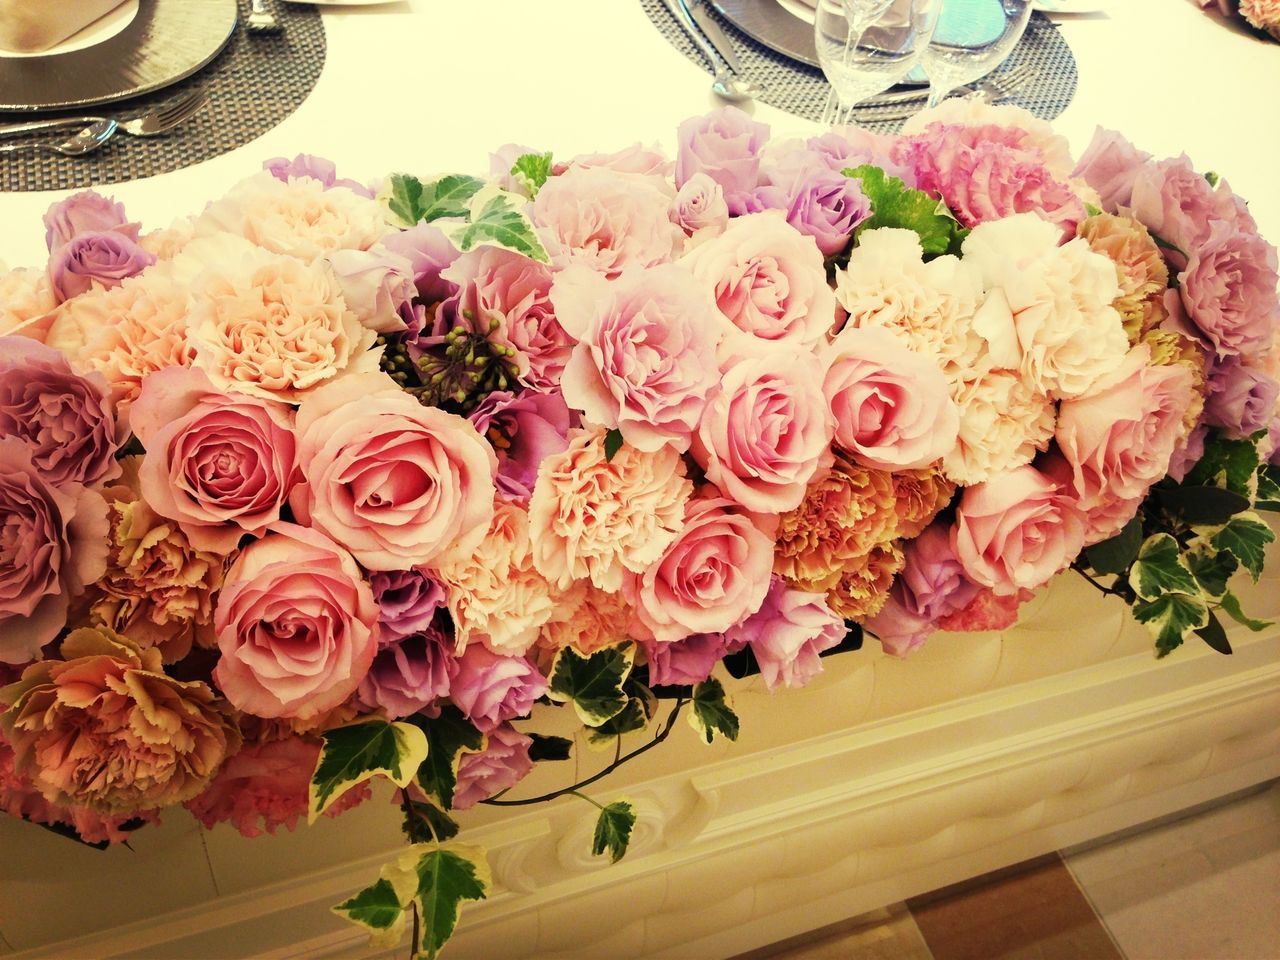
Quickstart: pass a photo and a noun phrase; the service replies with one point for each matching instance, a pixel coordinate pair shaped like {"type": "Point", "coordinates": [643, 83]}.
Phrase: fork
{"type": "Point", "coordinates": [261, 20]}
{"type": "Point", "coordinates": [149, 124]}
{"type": "Point", "coordinates": [993, 88]}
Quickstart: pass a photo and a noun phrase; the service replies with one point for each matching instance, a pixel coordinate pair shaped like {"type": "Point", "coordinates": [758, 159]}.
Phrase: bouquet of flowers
{"type": "Point", "coordinates": [1262, 15]}
{"type": "Point", "coordinates": [330, 483]}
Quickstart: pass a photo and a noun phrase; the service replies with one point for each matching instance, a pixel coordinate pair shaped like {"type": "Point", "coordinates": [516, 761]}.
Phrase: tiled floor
{"type": "Point", "coordinates": [1203, 886]}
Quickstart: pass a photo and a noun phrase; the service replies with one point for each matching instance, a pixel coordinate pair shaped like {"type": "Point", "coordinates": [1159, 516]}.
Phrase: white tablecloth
{"type": "Point", "coordinates": [431, 86]}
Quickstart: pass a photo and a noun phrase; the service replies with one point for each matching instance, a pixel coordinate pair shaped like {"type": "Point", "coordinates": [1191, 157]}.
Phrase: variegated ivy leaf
{"type": "Point", "coordinates": [449, 736]}
{"type": "Point", "coordinates": [1245, 536]}
{"type": "Point", "coordinates": [532, 170]}
{"type": "Point", "coordinates": [593, 684]}
{"type": "Point", "coordinates": [379, 910]}
{"type": "Point", "coordinates": [497, 218]}
{"type": "Point", "coordinates": [634, 716]}
{"type": "Point", "coordinates": [711, 714]}
{"type": "Point", "coordinates": [1170, 618]}
{"type": "Point", "coordinates": [411, 200]}
{"type": "Point", "coordinates": [1160, 569]}
{"type": "Point", "coordinates": [613, 830]}
{"type": "Point", "coordinates": [1231, 604]}
{"type": "Point", "coordinates": [445, 876]}
{"type": "Point", "coordinates": [1268, 495]}
{"type": "Point", "coordinates": [360, 751]}
{"type": "Point", "coordinates": [1212, 570]}
{"type": "Point", "coordinates": [1231, 464]}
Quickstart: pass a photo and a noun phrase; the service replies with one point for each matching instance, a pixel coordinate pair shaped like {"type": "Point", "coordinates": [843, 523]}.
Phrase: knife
{"type": "Point", "coordinates": [707, 24]}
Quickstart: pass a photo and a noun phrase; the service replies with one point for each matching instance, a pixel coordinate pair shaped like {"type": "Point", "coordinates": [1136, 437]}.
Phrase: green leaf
{"type": "Point", "coordinates": [1212, 570]}
{"type": "Point", "coordinates": [634, 716]}
{"type": "Point", "coordinates": [1268, 493]}
{"type": "Point", "coordinates": [427, 823]}
{"type": "Point", "coordinates": [1246, 536]}
{"type": "Point", "coordinates": [1231, 464]}
{"type": "Point", "coordinates": [1212, 177]}
{"type": "Point", "coordinates": [1166, 245]}
{"type": "Point", "coordinates": [1160, 569]}
{"type": "Point", "coordinates": [498, 218]}
{"type": "Point", "coordinates": [1170, 618]}
{"type": "Point", "coordinates": [1091, 210]}
{"type": "Point", "coordinates": [412, 201]}
{"type": "Point", "coordinates": [378, 909]}
{"type": "Point", "coordinates": [1197, 504]}
{"type": "Point", "coordinates": [893, 204]}
{"type": "Point", "coordinates": [359, 752]}
{"type": "Point", "coordinates": [532, 170]}
{"type": "Point", "coordinates": [448, 736]}
{"type": "Point", "coordinates": [1116, 554]}
{"type": "Point", "coordinates": [593, 684]}
{"type": "Point", "coordinates": [447, 876]}
{"type": "Point", "coordinates": [1213, 634]}
{"type": "Point", "coordinates": [613, 830]}
{"type": "Point", "coordinates": [612, 444]}
{"type": "Point", "coordinates": [1231, 604]}
{"type": "Point", "coordinates": [711, 714]}
{"type": "Point", "coordinates": [549, 748]}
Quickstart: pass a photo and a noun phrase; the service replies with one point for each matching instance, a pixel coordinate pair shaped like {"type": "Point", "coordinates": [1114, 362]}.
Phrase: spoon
{"type": "Point", "coordinates": [86, 141]}
{"type": "Point", "coordinates": [725, 85]}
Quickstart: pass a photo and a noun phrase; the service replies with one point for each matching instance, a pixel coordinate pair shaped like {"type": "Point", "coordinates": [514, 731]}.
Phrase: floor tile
{"type": "Point", "coordinates": [888, 934]}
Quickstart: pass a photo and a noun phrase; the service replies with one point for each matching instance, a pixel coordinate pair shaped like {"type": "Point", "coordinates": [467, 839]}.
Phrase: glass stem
{"type": "Point", "coordinates": [938, 93]}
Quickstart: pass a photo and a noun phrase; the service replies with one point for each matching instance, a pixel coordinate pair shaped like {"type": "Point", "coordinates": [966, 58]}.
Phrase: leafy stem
{"type": "Point", "coordinates": [1105, 590]}
{"type": "Point", "coordinates": [583, 796]}
{"type": "Point", "coordinates": [575, 787]}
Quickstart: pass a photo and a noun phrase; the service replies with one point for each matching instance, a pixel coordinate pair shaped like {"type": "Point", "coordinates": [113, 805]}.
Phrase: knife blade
{"type": "Point", "coordinates": [707, 24]}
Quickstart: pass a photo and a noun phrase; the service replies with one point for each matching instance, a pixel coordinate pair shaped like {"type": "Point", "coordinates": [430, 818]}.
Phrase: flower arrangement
{"type": "Point", "coordinates": [1262, 15]}
{"type": "Point", "coordinates": [330, 483]}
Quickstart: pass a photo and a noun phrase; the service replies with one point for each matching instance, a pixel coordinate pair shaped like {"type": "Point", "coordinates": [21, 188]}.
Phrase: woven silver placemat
{"type": "Point", "coordinates": [802, 90]}
{"type": "Point", "coordinates": [253, 84]}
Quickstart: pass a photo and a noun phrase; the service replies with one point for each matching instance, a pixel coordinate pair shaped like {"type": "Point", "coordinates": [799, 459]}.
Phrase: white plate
{"type": "Point", "coordinates": [345, 3]}
{"type": "Point", "coordinates": [1070, 6]}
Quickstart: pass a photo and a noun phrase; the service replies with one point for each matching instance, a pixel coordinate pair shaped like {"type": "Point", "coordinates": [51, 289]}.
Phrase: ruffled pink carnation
{"type": "Point", "coordinates": [503, 763]}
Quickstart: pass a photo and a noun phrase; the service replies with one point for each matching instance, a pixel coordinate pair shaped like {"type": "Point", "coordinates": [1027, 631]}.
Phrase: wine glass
{"type": "Point", "coordinates": [866, 46]}
{"type": "Point", "coordinates": [971, 39]}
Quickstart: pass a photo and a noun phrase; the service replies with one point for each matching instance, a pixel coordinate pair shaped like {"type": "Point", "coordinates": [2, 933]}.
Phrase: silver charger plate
{"type": "Point", "coordinates": [167, 41]}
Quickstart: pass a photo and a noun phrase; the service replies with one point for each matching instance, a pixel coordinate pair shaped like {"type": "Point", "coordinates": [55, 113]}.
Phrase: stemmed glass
{"type": "Point", "coordinates": [972, 38]}
{"type": "Point", "coordinates": [866, 46]}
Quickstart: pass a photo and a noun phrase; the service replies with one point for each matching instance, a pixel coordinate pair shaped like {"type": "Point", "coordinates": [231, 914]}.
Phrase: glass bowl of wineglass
{"type": "Point", "coordinates": [972, 38]}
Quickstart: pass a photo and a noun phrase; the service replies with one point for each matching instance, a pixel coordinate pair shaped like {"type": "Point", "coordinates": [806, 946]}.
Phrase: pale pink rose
{"type": "Point", "coordinates": [788, 634]}
{"type": "Point", "coordinates": [1110, 166]}
{"type": "Point", "coordinates": [296, 625]}
{"type": "Point", "coordinates": [376, 284]}
{"type": "Point", "coordinates": [714, 575]}
{"type": "Point", "coordinates": [606, 220]}
{"type": "Point", "coordinates": [1229, 290]}
{"type": "Point", "coordinates": [53, 543]}
{"type": "Point", "coordinates": [219, 464]}
{"type": "Point", "coordinates": [645, 360]}
{"type": "Point", "coordinates": [595, 517]}
{"type": "Point", "coordinates": [490, 689]}
{"type": "Point", "coordinates": [684, 662]}
{"type": "Point", "coordinates": [397, 483]}
{"type": "Point", "coordinates": [25, 296]}
{"type": "Point", "coordinates": [275, 327]}
{"type": "Point", "coordinates": [769, 280]}
{"type": "Point", "coordinates": [768, 432]}
{"type": "Point", "coordinates": [636, 158]}
{"type": "Point", "coordinates": [1104, 516]}
{"type": "Point", "coordinates": [503, 763]}
{"type": "Point", "coordinates": [264, 787]}
{"type": "Point", "coordinates": [699, 206]}
{"type": "Point", "coordinates": [1016, 530]}
{"type": "Point", "coordinates": [298, 217]}
{"type": "Point", "coordinates": [725, 145]}
{"type": "Point", "coordinates": [892, 406]}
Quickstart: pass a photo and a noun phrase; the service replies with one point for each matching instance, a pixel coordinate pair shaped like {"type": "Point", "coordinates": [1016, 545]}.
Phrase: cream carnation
{"type": "Point", "coordinates": [299, 217]}
{"type": "Point", "coordinates": [595, 517]}
{"type": "Point", "coordinates": [24, 296]}
{"type": "Point", "coordinates": [275, 327]}
{"type": "Point", "coordinates": [586, 619]}
{"type": "Point", "coordinates": [1003, 422]}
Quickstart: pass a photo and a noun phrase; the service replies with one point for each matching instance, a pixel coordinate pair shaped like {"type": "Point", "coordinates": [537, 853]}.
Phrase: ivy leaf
{"type": "Point", "coordinates": [445, 876]}
{"type": "Point", "coordinates": [711, 714]}
{"type": "Point", "coordinates": [449, 736]}
{"type": "Point", "coordinates": [498, 218]}
{"type": "Point", "coordinates": [1116, 554]}
{"type": "Point", "coordinates": [412, 201]}
{"type": "Point", "coordinates": [593, 684]}
{"type": "Point", "coordinates": [427, 823]}
{"type": "Point", "coordinates": [613, 830]}
{"type": "Point", "coordinates": [612, 444]}
{"type": "Point", "coordinates": [1268, 494]}
{"type": "Point", "coordinates": [1231, 464]}
{"type": "Point", "coordinates": [1197, 504]}
{"type": "Point", "coordinates": [379, 910]}
{"type": "Point", "coordinates": [1246, 537]}
{"type": "Point", "coordinates": [1213, 634]}
{"type": "Point", "coordinates": [1231, 604]}
{"type": "Point", "coordinates": [532, 170]}
{"type": "Point", "coordinates": [1170, 618]}
{"type": "Point", "coordinates": [360, 751]}
{"type": "Point", "coordinates": [548, 748]}
{"type": "Point", "coordinates": [1212, 570]}
{"type": "Point", "coordinates": [894, 204]}
{"type": "Point", "coordinates": [1160, 569]}
{"type": "Point", "coordinates": [634, 716]}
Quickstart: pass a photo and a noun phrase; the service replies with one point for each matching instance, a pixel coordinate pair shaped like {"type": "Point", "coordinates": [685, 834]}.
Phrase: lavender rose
{"type": "Point", "coordinates": [820, 203]}
{"type": "Point", "coordinates": [788, 634]}
{"type": "Point", "coordinates": [504, 763]}
{"type": "Point", "coordinates": [85, 212]}
{"type": "Point", "coordinates": [104, 257]}
{"type": "Point", "coordinates": [686, 661]}
{"type": "Point", "coordinates": [1242, 398]}
{"type": "Point", "coordinates": [725, 145]}
{"type": "Point", "coordinates": [490, 689]}
{"type": "Point", "coordinates": [1110, 165]}
{"type": "Point", "coordinates": [64, 418]}
{"type": "Point", "coordinates": [317, 168]}
{"type": "Point", "coordinates": [429, 253]}
{"type": "Point", "coordinates": [376, 285]}
{"type": "Point", "coordinates": [407, 601]}
{"type": "Point", "coordinates": [524, 430]}
{"type": "Point", "coordinates": [409, 673]}
{"type": "Point", "coordinates": [1229, 290]}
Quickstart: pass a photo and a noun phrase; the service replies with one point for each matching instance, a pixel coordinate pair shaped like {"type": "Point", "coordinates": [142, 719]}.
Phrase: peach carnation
{"type": "Point", "coordinates": [496, 597]}
{"type": "Point", "coordinates": [1139, 265]}
{"type": "Point", "coordinates": [585, 618]}
{"type": "Point", "coordinates": [919, 496]}
{"type": "Point", "coordinates": [864, 586]}
{"type": "Point", "coordinates": [24, 296]}
{"type": "Point", "coordinates": [276, 327]}
{"type": "Point", "coordinates": [1003, 422]}
{"type": "Point", "coordinates": [105, 728]}
{"type": "Point", "coordinates": [595, 517]}
{"type": "Point", "coordinates": [844, 516]}
{"type": "Point", "coordinates": [1263, 14]}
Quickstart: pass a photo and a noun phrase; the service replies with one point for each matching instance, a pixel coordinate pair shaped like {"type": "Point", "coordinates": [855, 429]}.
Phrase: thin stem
{"type": "Point", "coordinates": [1106, 591]}
{"type": "Point", "coordinates": [583, 796]}
{"type": "Point", "coordinates": [575, 787]}
{"type": "Point", "coordinates": [414, 905]}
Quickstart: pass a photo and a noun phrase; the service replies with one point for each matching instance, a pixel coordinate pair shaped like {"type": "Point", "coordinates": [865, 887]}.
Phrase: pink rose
{"type": "Point", "coordinates": [376, 284]}
{"type": "Point", "coordinates": [725, 145]}
{"type": "Point", "coordinates": [645, 361]}
{"type": "Point", "coordinates": [85, 212]}
{"type": "Point", "coordinates": [699, 205]}
{"type": "Point", "coordinates": [397, 483]}
{"type": "Point", "coordinates": [1180, 206]}
{"type": "Point", "coordinates": [1016, 530]}
{"type": "Point", "coordinates": [892, 406]}
{"type": "Point", "coordinates": [769, 280]}
{"type": "Point", "coordinates": [102, 258]}
{"type": "Point", "coordinates": [490, 689]}
{"type": "Point", "coordinates": [296, 625]}
{"type": "Point", "coordinates": [606, 220]}
{"type": "Point", "coordinates": [684, 662]}
{"type": "Point", "coordinates": [64, 418]}
{"type": "Point", "coordinates": [53, 543]}
{"type": "Point", "coordinates": [1111, 165]}
{"type": "Point", "coordinates": [220, 464]}
{"type": "Point", "coordinates": [503, 763]}
{"type": "Point", "coordinates": [636, 158]}
{"type": "Point", "coordinates": [1229, 290]}
{"type": "Point", "coordinates": [714, 575]}
{"type": "Point", "coordinates": [767, 432]}
{"type": "Point", "coordinates": [788, 634]}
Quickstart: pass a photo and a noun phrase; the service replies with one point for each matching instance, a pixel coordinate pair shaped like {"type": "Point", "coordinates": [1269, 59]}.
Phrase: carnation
{"type": "Point", "coordinates": [918, 497]}
{"type": "Point", "coordinates": [1139, 265]}
{"type": "Point", "coordinates": [864, 584]}
{"type": "Point", "coordinates": [1003, 424]}
{"type": "Point", "coordinates": [25, 295]}
{"type": "Point", "coordinates": [585, 618]}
